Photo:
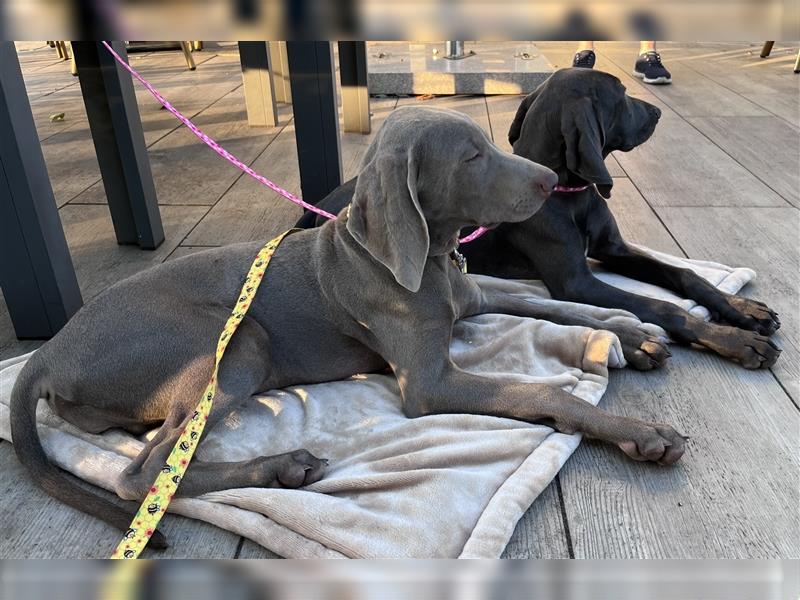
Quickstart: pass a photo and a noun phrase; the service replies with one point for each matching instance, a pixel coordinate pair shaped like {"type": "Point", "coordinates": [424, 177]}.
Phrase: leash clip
{"type": "Point", "coordinates": [459, 260]}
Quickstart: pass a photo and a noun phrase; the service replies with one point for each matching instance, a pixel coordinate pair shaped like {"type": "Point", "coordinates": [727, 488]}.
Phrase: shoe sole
{"type": "Point", "coordinates": [656, 81]}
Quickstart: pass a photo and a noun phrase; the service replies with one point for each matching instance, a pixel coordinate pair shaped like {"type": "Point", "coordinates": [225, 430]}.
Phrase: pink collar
{"type": "Point", "coordinates": [481, 230]}
{"type": "Point", "coordinates": [563, 188]}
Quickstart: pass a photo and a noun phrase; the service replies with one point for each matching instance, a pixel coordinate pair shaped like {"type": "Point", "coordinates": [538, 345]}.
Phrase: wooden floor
{"type": "Point", "coordinates": [719, 181]}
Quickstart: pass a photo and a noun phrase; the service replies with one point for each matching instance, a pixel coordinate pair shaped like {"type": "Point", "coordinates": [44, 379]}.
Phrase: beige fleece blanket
{"type": "Point", "coordinates": [439, 486]}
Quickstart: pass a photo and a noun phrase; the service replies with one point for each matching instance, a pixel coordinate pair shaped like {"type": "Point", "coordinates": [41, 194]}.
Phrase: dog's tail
{"type": "Point", "coordinates": [28, 388]}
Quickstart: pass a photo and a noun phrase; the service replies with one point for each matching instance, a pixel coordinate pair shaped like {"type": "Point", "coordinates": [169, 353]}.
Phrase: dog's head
{"type": "Point", "coordinates": [574, 119]}
{"type": "Point", "coordinates": [427, 174]}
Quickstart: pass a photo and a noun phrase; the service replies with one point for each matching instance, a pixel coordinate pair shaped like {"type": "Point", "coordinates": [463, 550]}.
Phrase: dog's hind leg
{"type": "Point", "coordinates": [292, 469]}
{"type": "Point", "coordinates": [243, 372]}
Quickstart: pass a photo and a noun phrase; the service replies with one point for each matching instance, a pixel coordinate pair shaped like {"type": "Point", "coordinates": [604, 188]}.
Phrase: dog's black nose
{"type": "Point", "coordinates": [655, 111]}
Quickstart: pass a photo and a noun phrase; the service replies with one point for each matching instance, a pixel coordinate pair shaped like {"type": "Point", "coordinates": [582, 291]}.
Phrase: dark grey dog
{"type": "Point", "coordinates": [571, 123]}
{"type": "Point", "coordinates": [373, 288]}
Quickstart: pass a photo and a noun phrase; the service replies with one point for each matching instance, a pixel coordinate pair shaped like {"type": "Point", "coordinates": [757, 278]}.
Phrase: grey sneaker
{"type": "Point", "coordinates": [649, 69]}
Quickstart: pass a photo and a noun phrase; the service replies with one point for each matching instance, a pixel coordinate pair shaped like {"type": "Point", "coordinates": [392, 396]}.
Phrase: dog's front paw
{"type": "Point", "coordinates": [754, 351]}
{"type": "Point", "coordinates": [294, 469]}
{"type": "Point", "coordinates": [654, 442]}
{"type": "Point", "coordinates": [752, 315]}
{"type": "Point", "coordinates": [643, 351]}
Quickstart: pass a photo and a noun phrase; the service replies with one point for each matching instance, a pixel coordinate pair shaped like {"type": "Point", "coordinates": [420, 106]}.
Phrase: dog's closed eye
{"type": "Point", "coordinates": [473, 156]}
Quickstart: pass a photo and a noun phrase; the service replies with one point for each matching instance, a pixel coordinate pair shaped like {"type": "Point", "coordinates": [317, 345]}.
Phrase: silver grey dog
{"type": "Point", "coordinates": [374, 288]}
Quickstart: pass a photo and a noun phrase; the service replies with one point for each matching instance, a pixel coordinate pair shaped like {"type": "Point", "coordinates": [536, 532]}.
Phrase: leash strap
{"type": "Point", "coordinates": [161, 492]}
{"type": "Point", "coordinates": [216, 147]}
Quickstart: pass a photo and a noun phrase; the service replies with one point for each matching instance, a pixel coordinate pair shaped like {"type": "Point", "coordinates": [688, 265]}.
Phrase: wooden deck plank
{"type": "Point", "coordinates": [769, 83]}
{"type": "Point", "coordinates": [711, 504]}
{"type": "Point", "coordinates": [766, 146]}
{"type": "Point", "coordinates": [502, 110]}
{"type": "Point", "coordinates": [69, 102]}
{"type": "Point", "coordinates": [636, 220]}
{"type": "Point", "coordinates": [694, 95]}
{"type": "Point", "coordinates": [35, 55]}
{"type": "Point", "coordinates": [67, 145]}
{"type": "Point", "coordinates": [187, 250]}
{"type": "Point", "coordinates": [541, 531]}
{"type": "Point", "coordinates": [191, 92]}
{"type": "Point", "coordinates": [764, 239]}
{"type": "Point", "coordinates": [784, 106]}
{"type": "Point", "coordinates": [472, 106]}
{"type": "Point", "coordinates": [250, 550]}
{"type": "Point", "coordinates": [48, 80]}
{"type": "Point", "coordinates": [745, 72]}
{"type": "Point", "coordinates": [181, 163]}
{"type": "Point", "coordinates": [71, 163]}
{"type": "Point", "coordinates": [679, 166]}
{"type": "Point", "coordinates": [732, 494]}
{"type": "Point", "coordinates": [38, 526]}
{"type": "Point", "coordinates": [249, 211]}
{"type": "Point", "coordinates": [99, 261]}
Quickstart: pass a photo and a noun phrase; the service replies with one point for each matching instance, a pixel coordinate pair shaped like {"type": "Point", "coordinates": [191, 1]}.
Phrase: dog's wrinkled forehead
{"type": "Point", "coordinates": [408, 128]}
{"type": "Point", "coordinates": [581, 83]}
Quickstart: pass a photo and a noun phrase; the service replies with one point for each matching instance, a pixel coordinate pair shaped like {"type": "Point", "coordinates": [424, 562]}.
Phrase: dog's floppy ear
{"type": "Point", "coordinates": [584, 137]}
{"type": "Point", "coordinates": [386, 217]}
{"type": "Point", "coordinates": [516, 126]}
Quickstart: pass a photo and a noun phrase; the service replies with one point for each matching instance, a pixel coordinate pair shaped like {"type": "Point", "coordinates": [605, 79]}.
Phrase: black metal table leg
{"type": "Point", "coordinates": [315, 118]}
{"type": "Point", "coordinates": [36, 272]}
{"type": "Point", "coordinates": [119, 142]}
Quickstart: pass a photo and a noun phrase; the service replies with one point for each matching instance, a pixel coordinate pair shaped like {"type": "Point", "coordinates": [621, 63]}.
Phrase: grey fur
{"type": "Point", "coordinates": [352, 296]}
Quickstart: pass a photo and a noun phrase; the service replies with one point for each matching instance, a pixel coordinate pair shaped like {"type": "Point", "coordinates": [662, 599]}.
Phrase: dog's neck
{"type": "Point", "coordinates": [443, 243]}
{"type": "Point", "coordinates": [443, 232]}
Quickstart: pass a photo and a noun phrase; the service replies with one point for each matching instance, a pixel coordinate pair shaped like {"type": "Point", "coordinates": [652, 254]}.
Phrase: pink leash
{"type": "Point", "coordinates": [564, 188]}
{"type": "Point", "coordinates": [211, 143]}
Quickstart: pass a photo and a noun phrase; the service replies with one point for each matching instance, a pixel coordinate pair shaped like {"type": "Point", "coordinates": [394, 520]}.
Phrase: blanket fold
{"type": "Point", "coordinates": [439, 486]}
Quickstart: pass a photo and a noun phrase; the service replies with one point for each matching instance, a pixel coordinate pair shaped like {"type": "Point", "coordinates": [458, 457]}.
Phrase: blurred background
{"type": "Point", "coordinates": [390, 580]}
{"type": "Point", "coordinates": [386, 19]}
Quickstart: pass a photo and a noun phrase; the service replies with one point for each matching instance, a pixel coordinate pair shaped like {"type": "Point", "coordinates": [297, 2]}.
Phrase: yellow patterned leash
{"type": "Point", "coordinates": [161, 492]}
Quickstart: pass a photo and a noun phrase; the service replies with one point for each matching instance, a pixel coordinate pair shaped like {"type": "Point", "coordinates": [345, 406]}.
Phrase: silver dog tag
{"type": "Point", "coordinates": [460, 261]}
